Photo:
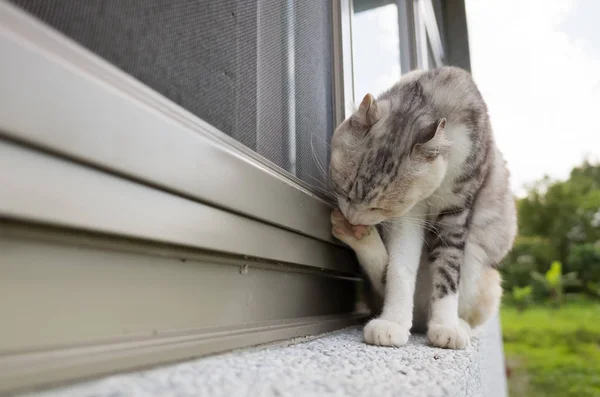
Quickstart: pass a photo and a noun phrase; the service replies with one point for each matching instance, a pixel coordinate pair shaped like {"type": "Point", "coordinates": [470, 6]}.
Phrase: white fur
{"type": "Point", "coordinates": [404, 243]}
{"type": "Point", "coordinates": [373, 256]}
{"type": "Point", "coordinates": [461, 146]}
{"type": "Point", "coordinates": [370, 250]}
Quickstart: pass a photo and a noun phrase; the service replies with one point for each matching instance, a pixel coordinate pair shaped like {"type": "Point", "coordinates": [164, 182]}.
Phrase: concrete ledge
{"type": "Point", "coordinates": [337, 364]}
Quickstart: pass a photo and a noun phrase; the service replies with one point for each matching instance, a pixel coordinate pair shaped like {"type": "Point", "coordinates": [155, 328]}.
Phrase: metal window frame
{"type": "Point", "coordinates": [108, 204]}
{"type": "Point", "coordinates": [83, 187]}
{"type": "Point", "coordinates": [148, 120]}
{"type": "Point", "coordinates": [106, 304]}
{"type": "Point", "coordinates": [456, 33]}
{"type": "Point", "coordinates": [423, 28]}
{"type": "Point", "coordinates": [109, 172]}
{"type": "Point", "coordinates": [430, 25]}
{"type": "Point", "coordinates": [343, 69]}
{"type": "Point", "coordinates": [419, 32]}
{"type": "Point", "coordinates": [407, 30]}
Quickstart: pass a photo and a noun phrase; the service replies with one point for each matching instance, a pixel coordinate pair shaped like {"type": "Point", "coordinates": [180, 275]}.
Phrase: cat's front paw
{"type": "Point", "coordinates": [382, 332]}
{"type": "Point", "coordinates": [449, 336]}
{"type": "Point", "coordinates": [346, 232]}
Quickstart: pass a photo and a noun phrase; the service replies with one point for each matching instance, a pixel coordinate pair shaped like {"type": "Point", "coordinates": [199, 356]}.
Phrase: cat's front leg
{"type": "Point", "coordinates": [404, 242]}
{"type": "Point", "coordinates": [366, 243]}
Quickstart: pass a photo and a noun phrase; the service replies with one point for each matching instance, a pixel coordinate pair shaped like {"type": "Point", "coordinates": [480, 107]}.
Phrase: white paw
{"type": "Point", "coordinates": [345, 232]}
{"type": "Point", "coordinates": [449, 336]}
{"type": "Point", "coordinates": [381, 332]}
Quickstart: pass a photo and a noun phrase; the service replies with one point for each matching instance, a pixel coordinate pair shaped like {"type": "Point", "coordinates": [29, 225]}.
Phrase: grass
{"type": "Point", "coordinates": [553, 352]}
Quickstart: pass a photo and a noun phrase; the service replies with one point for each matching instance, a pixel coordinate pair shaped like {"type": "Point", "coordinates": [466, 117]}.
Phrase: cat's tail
{"type": "Point", "coordinates": [466, 327]}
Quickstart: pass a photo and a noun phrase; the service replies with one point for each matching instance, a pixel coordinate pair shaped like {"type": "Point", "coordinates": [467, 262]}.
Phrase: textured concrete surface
{"type": "Point", "coordinates": [338, 364]}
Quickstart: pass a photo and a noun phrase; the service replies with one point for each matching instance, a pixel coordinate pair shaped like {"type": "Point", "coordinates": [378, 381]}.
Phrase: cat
{"type": "Point", "coordinates": [424, 201]}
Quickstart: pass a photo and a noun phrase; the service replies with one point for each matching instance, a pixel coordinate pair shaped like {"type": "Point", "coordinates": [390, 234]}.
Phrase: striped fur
{"type": "Point", "coordinates": [421, 161]}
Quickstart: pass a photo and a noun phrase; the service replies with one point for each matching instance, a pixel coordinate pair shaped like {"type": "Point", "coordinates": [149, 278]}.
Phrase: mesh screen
{"type": "Point", "coordinates": [260, 71]}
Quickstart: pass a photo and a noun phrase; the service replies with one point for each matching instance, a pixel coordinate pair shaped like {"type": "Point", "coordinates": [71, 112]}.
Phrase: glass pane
{"type": "Point", "coordinates": [376, 47]}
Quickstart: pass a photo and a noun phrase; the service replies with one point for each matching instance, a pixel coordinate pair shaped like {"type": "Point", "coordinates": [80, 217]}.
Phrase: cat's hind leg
{"type": "Point", "coordinates": [448, 253]}
{"type": "Point", "coordinates": [479, 295]}
{"type": "Point", "coordinates": [480, 299]}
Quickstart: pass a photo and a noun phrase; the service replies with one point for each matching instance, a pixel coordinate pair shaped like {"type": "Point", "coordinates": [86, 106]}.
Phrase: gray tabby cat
{"type": "Point", "coordinates": [420, 162]}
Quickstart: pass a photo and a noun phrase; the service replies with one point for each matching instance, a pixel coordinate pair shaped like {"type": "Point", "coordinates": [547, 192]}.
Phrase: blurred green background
{"type": "Point", "coordinates": [551, 307]}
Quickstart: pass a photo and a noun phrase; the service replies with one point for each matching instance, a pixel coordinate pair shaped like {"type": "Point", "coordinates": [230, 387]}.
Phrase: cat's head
{"type": "Point", "coordinates": [385, 158]}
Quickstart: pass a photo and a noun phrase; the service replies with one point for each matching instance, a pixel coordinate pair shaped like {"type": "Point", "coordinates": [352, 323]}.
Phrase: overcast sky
{"type": "Point", "coordinates": [537, 63]}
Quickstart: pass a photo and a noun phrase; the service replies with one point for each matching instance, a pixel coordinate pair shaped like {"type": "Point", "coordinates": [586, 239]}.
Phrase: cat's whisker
{"type": "Point", "coordinates": [425, 225]}
{"type": "Point", "coordinates": [320, 167]}
{"type": "Point", "coordinates": [323, 141]}
{"type": "Point", "coordinates": [389, 228]}
{"type": "Point", "coordinates": [325, 195]}
{"type": "Point", "coordinates": [323, 185]}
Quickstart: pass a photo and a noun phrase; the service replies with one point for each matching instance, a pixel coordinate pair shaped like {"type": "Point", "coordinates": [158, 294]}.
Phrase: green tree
{"type": "Point", "coordinates": [521, 296]}
{"type": "Point", "coordinates": [564, 212]}
{"type": "Point", "coordinates": [529, 254]}
{"type": "Point", "coordinates": [555, 282]}
{"type": "Point", "coordinates": [585, 260]}
{"type": "Point", "coordinates": [559, 220]}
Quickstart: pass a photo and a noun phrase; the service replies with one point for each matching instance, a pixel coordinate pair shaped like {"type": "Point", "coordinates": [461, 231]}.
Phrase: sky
{"type": "Point", "coordinates": [537, 64]}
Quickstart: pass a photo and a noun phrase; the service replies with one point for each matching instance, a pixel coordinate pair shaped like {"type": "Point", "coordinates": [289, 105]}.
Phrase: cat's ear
{"type": "Point", "coordinates": [369, 111]}
{"type": "Point", "coordinates": [432, 142]}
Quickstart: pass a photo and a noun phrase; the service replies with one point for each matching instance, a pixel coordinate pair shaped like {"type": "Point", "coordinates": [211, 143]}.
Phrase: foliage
{"type": "Point", "coordinates": [554, 281]}
{"type": "Point", "coordinates": [553, 352]}
{"type": "Point", "coordinates": [521, 296]}
{"type": "Point", "coordinates": [593, 288]}
{"type": "Point", "coordinates": [529, 253]}
{"type": "Point", "coordinates": [585, 260]}
{"type": "Point", "coordinates": [564, 212]}
{"type": "Point", "coordinates": [558, 220]}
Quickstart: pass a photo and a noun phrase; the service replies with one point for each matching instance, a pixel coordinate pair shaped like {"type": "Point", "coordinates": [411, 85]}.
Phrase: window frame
{"type": "Point", "coordinates": [422, 29]}
{"type": "Point", "coordinates": [89, 169]}
{"type": "Point", "coordinates": [115, 167]}
{"type": "Point", "coordinates": [150, 122]}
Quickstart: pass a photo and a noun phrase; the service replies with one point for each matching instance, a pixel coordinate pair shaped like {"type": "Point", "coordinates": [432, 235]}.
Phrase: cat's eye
{"type": "Point", "coordinates": [375, 209]}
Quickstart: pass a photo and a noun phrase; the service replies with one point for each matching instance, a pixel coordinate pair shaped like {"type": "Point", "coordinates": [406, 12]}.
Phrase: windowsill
{"type": "Point", "coordinates": [335, 364]}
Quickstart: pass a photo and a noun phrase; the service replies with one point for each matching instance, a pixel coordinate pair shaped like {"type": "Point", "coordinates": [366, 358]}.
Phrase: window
{"type": "Point", "coordinates": [393, 37]}
{"type": "Point", "coordinates": [166, 160]}
{"type": "Point", "coordinates": [430, 49]}
{"type": "Point", "coordinates": [259, 71]}
{"type": "Point", "coordinates": [376, 46]}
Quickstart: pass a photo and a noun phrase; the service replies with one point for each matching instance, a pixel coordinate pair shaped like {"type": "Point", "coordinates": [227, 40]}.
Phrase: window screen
{"type": "Point", "coordinates": [260, 71]}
